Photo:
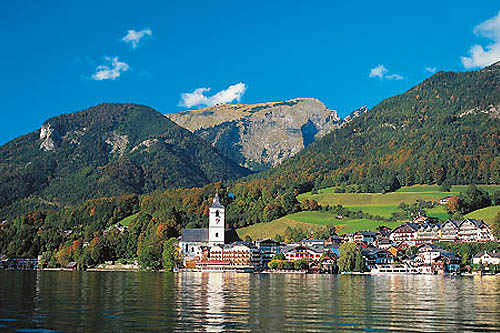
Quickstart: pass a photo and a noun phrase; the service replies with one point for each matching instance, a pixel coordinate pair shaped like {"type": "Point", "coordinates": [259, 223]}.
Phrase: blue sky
{"type": "Point", "coordinates": [65, 56]}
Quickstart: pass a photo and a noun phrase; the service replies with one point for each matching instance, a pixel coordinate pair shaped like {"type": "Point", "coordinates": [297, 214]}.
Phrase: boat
{"type": "Point", "coordinates": [393, 269]}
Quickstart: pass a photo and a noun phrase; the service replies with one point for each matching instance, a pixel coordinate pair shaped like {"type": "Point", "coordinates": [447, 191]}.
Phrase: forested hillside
{"type": "Point", "coordinates": [109, 149]}
{"type": "Point", "coordinates": [446, 129]}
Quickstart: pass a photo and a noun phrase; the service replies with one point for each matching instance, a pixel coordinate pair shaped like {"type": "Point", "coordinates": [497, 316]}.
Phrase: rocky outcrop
{"type": "Point", "coordinates": [117, 142]}
{"type": "Point", "coordinates": [47, 139]}
{"type": "Point", "coordinates": [492, 110]}
{"type": "Point", "coordinates": [259, 136]}
{"type": "Point", "coordinates": [354, 114]}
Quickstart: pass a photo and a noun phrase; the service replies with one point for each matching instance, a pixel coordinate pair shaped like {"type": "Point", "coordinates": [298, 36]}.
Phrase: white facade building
{"type": "Point", "coordinates": [216, 223]}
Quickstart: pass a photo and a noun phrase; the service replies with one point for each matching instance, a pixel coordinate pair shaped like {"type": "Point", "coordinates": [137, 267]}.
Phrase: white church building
{"type": "Point", "coordinates": [194, 241]}
{"type": "Point", "coordinates": [217, 248]}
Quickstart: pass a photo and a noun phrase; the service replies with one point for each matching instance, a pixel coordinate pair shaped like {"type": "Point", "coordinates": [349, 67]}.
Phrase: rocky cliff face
{"type": "Point", "coordinates": [259, 136]}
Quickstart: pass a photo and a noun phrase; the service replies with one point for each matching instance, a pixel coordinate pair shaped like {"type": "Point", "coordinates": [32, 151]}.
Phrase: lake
{"type": "Point", "coordinates": [51, 301]}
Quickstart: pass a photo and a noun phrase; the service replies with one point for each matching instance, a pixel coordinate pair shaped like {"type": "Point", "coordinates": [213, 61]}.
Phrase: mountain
{"type": "Point", "coordinates": [109, 149]}
{"type": "Point", "coordinates": [259, 136]}
{"type": "Point", "coordinates": [446, 128]}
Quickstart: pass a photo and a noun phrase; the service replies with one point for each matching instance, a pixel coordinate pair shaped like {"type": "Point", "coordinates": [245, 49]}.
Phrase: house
{"type": "Point", "coordinates": [420, 219]}
{"type": "Point", "coordinates": [449, 231]}
{"type": "Point", "coordinates": [72, 266]}
{"type": "Point", "coordinates": [383, 232]}
{"type": "Point", "coordinates": [293, 253]}
{"type": "Point", "coordinates": [471, 230]}
{"type": "Point", "coordinates": [366, 237]}
{"type": "Point", "coordinates": [375, 256]}
{"type": "Point", "coordinates": [433, 259]}
{"type": "Point", "coordinates": [312, 242]}
{"type": "Point", "coordinates": [447, 262]}
{"type": "Point", "coordinates": [348, 237]}
{"type": "Point", "coordinates": [334, 239]}
{"type": "Point", "coordinates": [426, 253]}
{"type": "Point", "coordinates": [447, 199]}
{"type": "Point", "coordinates": [383, 243]}
{"type": "Point", "coordinates": [325, 265]}
{"type": "Point", "coordinates": [268, 249]}
{"type": "Point", "coordinates": [487, 258]}
{"type": "Point", "coordinates": [427, 233]}
{"type": "Point", "coordinates": [404, 233]}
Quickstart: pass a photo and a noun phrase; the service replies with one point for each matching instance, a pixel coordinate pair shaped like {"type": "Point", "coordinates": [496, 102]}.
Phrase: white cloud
{"type": "Point", "coordinates": [431, 70]}
{"type": "Point", "coordinates": [111, 72]}
{"type": "Point", "coordinates": [382, 72]}
{"type": "Point", "coordinates": [394, 77]}
{"type": "Point", "coordinates": [480, 56]}
{"type": "Point", "coordinates": [134, 37]}
{"type": "Point", "coordinates": [378, 71]}
{"type": "Point", "coordinates": [198, 97]}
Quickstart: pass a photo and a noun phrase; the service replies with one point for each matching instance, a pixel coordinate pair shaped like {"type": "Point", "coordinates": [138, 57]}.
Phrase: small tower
{"type": "Point", "coordinates": [216, 223]}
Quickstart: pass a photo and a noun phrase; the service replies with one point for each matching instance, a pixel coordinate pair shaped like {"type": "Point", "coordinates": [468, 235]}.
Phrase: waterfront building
{"type": "Point", "coordinates": [374, 256]}
{"type": "Point", "coordinates": [193, 242]}
{"type": "Point", "coordinates": [268, 249]}
{"type": "Point", "coordinates": [487, 258]}
{"type": "Point", "coordinates": [238, 256]}
{"type": "Point", "coordinates": [432, 259]}
{"type": "Point", "coordinates": [467, 230]}
{"type": "Point", "coordinates": [313, 252]}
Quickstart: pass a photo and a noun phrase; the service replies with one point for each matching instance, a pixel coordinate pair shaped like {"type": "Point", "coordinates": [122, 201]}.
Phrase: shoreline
{"type": "Point", "coordinates": [266, 272]}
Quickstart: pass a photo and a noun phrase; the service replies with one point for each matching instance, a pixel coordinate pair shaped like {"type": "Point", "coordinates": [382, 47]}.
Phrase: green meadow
{"type": "Point", "coordinates": [372, 203]}
{"type": "Point", "coordinates": [386, 204]}
{"type": "Point", "coordinates": [486, 214]}
{"type": "Point", "coordinates": [126, 221]}
{"type": "Point", "coordinates": [310, 221]}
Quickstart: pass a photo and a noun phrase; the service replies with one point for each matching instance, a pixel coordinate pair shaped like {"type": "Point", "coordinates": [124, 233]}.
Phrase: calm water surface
{"type": "Point", "coordinates": [213, 302]}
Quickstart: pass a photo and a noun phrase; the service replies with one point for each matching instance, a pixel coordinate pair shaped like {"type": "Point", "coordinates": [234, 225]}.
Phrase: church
{"type": "Point", "coordinates": [194, 241]}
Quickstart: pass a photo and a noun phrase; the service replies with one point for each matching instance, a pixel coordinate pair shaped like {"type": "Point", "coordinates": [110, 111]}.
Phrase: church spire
{"type": "Point", "coordinates": [216, 203]}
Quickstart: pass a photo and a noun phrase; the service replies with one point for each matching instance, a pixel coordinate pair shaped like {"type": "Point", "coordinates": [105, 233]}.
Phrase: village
{"type": "Point", "coordinates": [410, 248]}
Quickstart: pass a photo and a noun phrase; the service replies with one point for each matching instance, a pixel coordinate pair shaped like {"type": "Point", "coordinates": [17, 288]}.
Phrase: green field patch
{"type": "Point", "coordinates": [314, 217]}
{"type": "Point", "coordinates": [380, 210]}
{"type": "Point", "coordinates": [438, 212]}
{"type": "Point", "coordinates": [371, 199]}
{"type": "Point", "coordinates": [271, 229]}
{"type": "Point", "coordinates": [350, 226]}
{"type": "Point", "coordinates": [386, 204]}
{"type": "Point", "coordinates": [486, 214]}
{"type": "Point", "coordinates": [126, 221]}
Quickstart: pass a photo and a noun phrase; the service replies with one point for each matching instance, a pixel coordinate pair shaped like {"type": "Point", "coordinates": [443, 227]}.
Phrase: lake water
{"type": "Point", "coordinates": [213, 302]}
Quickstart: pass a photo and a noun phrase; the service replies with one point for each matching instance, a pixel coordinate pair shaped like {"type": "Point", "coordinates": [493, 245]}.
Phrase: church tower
{"type": "Point", "coordinates": [216, 223]}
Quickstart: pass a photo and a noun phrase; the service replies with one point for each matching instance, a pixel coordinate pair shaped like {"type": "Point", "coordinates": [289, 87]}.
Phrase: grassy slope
{"type": "Point", "coordinates": [270, 229]}
{"type": "Point", "coordinates": [486, 214]}
{"type": "Point", "coordinates": [126, 221]}
{"type": "Point", "coordinates": [372, 203]}
{"type": "Point", "coordinates": [309, 221]}
{"type": "Point", "coordinates": [386, 204]}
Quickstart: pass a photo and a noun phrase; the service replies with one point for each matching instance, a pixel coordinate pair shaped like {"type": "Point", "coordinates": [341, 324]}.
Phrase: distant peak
{"type": "Point", "coordinates": [493, 66]}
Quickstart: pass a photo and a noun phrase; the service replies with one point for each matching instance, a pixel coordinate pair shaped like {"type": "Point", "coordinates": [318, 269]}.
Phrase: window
{"type": "Point", "coordinates": [217, 213]}
{"type": "Point", "coordinates": [216, 235]}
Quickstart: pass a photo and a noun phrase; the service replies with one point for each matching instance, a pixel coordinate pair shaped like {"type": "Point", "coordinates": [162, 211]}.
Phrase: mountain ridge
{"type": "Point", "coordinates": [262, 135]}
{"type": "Point", "coordinates": [108, 149]}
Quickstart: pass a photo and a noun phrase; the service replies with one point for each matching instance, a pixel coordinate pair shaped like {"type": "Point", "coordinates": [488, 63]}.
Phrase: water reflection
{"type": "Point", "coordinates": [216, 302]}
